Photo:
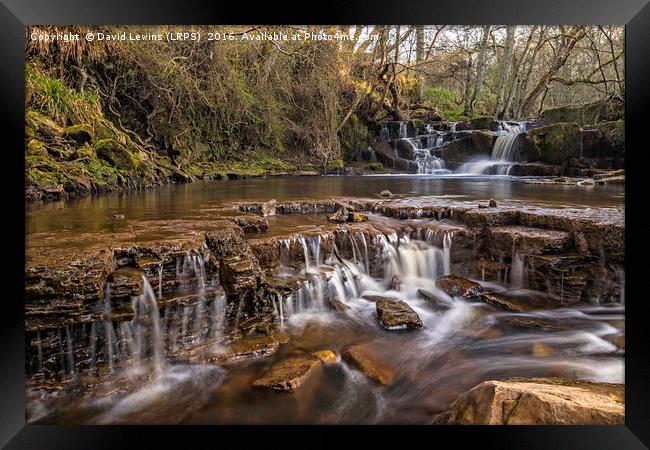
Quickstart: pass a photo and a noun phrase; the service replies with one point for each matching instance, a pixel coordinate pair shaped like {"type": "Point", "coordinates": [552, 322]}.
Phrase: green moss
{"type": "Point", "coordinates": [553, 144]}
{"type": "Point", "coordinates": [376, 167]}
{"type": "Point", "coordinates": [35, 147]}
{"type": "Point", "coordinates": [80, 133]}
{"type": "Point", "coordinates": [116, 154]}
{"type": "Point", "coordinates": [335, 164]}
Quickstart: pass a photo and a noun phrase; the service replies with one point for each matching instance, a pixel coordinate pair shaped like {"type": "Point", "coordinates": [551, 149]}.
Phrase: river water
{"type": "Point", "coordinates": [458, 346]}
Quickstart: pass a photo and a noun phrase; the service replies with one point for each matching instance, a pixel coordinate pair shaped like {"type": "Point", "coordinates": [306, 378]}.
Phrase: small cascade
{"type": "Point", "coordinates": [403, 132]}
{"type": "Point", "coordinates": [109, 332]}
{"type": "Point", "coordinates": [517, 270]}
{"type": "Point", "coordinates": [505, 149]}
{"type": "Point", "coordinates": [146, 323]}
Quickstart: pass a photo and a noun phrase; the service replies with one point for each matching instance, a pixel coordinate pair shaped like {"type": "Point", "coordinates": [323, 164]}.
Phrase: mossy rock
{"type": "Point", "coordinates": [43, 125]}
{"type": "Point", "coordinates": [35, 147]}
{"type": "Point", "coordinates": [86, 151]}
{"type": "Point", "coordinates": [116, 154]}
{"type": "Point", "coordinates": [589, 114]}
{"type": "Point", "coordinates": [81, 133]}
{"type": "Point", "coordinates": [334, 165]}
{"type": "Point", "coordinates": [376, 167]}
{"type": "Point", "coordinates": [553, 144]}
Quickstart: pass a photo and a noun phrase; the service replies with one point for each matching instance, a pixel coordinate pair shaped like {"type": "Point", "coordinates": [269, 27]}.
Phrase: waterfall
{"type": "Point", "coordinates": [403, 132]}
{"type": "Point", "coordinates": [147, 325]}
{"type": "Point", "coordinates": [504, 147]}
{"type": "Point", "coordinates": [108, 326]}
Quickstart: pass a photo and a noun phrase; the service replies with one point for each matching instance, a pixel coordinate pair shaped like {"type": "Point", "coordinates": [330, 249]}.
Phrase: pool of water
{"type": "Point", "coordinates": [201, 199]}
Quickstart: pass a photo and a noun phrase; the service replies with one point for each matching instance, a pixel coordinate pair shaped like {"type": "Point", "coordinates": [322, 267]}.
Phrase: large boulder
{"type": "Point", "coordinates": [552, 144]}
{"type": "Point", "coordinates": [537, 401]}
{"type": "Point", "coordinates": [390, 159]}
{"type": "Point", "coordinates": [405, 149]}
{"type": "Point", "coordinates": [480, 123]}
{"type": "Point", "coordinates": [116, 154]}
{"type": "Point", "coordinates": [464, 149]}
{"type": "Point", "coordinates": [604, 140]}
{"type": "Point", "coordinates": [599, 111]}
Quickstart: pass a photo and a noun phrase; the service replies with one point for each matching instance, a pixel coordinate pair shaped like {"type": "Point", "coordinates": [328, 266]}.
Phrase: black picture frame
{"type": "Point", "coordinates": [16, 14]}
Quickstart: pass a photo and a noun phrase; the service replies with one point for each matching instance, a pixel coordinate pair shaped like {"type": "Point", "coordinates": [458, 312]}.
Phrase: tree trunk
{"type": "Point", "coordinates": [480, 67]}
{"type": "Point", "coordinates": [506, 62]}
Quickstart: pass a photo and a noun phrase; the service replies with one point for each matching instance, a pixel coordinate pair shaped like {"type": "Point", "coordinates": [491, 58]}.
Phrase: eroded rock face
{"type": "Point", "coordinates": [397, 314]}
{"type": "Point", "coordinates": [239, 271]}
{"type": "Point", "coordinates": [288, 374]}
{"type": "Point", "coordinates": [537, 401]}
{"type": "Point", "coordinates": [367, 360]}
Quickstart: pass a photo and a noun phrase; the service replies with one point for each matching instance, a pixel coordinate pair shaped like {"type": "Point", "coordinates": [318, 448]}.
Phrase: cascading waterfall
{"type": "Point", "coordinates": [403, 133]}
{"type": "Point", "coordinates": [504, 152]}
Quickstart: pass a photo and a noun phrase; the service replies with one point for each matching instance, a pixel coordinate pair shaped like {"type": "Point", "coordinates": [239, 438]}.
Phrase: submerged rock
{"type": "Point", "coordinates": [459, 287]}
{"type": "Point", "coordinates": [433, 300]}
{"type": "Point", "coordinates": [397, 314]}
{"type": "Point", "coordinates": [500, 302]}
{"type": "Point", "coordinates": [364, 358]}
{"type": "Point", "coordinates": [250, 346]}
{"type": "Point", "coordinates": [536, 401]}
{"type": "Point", "coordinates": [288, 374]}
{"type": "Point", "coordinates": [326, 356]}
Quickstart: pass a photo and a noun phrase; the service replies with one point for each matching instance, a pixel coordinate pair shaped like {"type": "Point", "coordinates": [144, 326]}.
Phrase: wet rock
{"type": "Point", "coordinates": [337, 305]}
{"type": "Point", "coordinates": [397, 314]}
{"type": "Point", "coordinates": [500, 302]}
{"type": "Point", "coordinates": [388, 157]}
{"type": "Point", "coordinates": [395, 283]}
{"type": "Point", "coordinates": [118, 216]}
{"type": "Point", "coordinates": [386, 193]}
{"type": "Point", "coordinates": [126, 282]}
{"type": "Point", "coordinates": [587, 182]}
{"type": "Point", "coordinates": [541, 350]}
{"type": "Point", "coordinates": [459, 287]}
{"type": "Point", "coordinates": [340, 216]}
{"type": "Point", "coordinates": [367, 360]}
{"type": "Point", "coordinates": [530, 323]}
{"type": "Point", "coordinates": [357, 217]}
{"type": "Point", "coordinates": [239, 270]}
{"type": "Point", "coordinates": [326, 356]}
{"type": "Point", "coordinates": [493, 203]}
{"type": "Point", "coordinates": [535, 169]}
{"type": "Point", "coordinates": [256, 345]}
{"type": "Point", "coordinates": [251, 223]}
{"type": "Point", "coordinates": [527, 240]}
{"type": "Point", "coordinates": [405, 149]}
{"type": "Point", "coordinates": [433, 300]}
{"type": "Point", "coordinates": [613, 173]}
{"type": "Point", "coordinates": [612, 180]}
{"type": "Point", "coordinates": [268, 208]}
{"type": "Point", "coordinates": [288, 374]}
{"type": "Point", "coordinates": [534, 401]}
{"type": "Point", "coordinates": [306, 173]}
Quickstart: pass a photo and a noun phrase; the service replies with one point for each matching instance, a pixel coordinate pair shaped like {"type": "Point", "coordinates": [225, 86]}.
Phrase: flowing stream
{"type": "Point", "coordinates": [149, 369]}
